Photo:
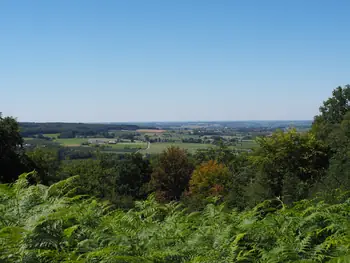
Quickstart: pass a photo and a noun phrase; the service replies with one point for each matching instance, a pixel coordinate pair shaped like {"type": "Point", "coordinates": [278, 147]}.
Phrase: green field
{"type": "Point", "coordinates": [123, 145]}
{"type": "Point", "coordinates": [71, 141]}
{"type": "Point", "coordinates": [191, 147]}
{"type": "Point", "coordinates": [51, 135]}
{"type": "Point", "coordinates": [156, 148]}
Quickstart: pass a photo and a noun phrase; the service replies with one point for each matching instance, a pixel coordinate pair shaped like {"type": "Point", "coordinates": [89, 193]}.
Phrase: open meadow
{"type": "Point", "coordinates": [71, 142]}
{"type": "Point", "coordinates": [156, 148]}
{"type": "Point", "coordinates": [52, 135]}
{"type": "Point", "coordinates": [150, 131]}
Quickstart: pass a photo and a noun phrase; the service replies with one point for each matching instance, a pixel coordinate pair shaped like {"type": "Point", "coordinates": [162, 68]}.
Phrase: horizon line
{"type": "Point", "coordinates": [201, 121]}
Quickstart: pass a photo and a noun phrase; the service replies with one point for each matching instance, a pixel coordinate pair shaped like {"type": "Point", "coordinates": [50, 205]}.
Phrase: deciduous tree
{"type": "Point", "coordinates": [171, 174]}
{"type": "Point", "coordinates": [46, 163]}
{"type": "Point", "coordinates": [210, 179]}
{"type": "Point", "coordinates": [289, 154]}
{"type": "Point", "coordinates": [12, 158]}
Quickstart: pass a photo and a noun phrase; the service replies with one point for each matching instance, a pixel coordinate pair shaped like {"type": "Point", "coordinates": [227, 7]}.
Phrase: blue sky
{"type": "Point", "coordinates": [147, 60]}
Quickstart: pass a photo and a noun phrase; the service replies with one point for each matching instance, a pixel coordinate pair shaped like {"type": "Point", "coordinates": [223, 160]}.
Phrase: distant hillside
{"type": "Point", "coordinates": [31, 128]}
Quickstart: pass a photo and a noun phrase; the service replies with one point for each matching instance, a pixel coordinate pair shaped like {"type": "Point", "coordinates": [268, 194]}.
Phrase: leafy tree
{"type": "Point", "coordinates": [47, 164]}
{"type": "Point", "coordinates": [133, 172]}
{"type": "Point", "coordinates": [288, 155]}
{"type": "Point", "coordinates": [334, 109]}
{"type": "Point", "coordinates": [332, 112]}
{"type": "Point", "coordinates": [221, 154]}
{"type": "Point", "coordinates": [209, 179]}
{"type": "Point", "coordinates": [12, 158]}
{"type": "Point", "coordinates": [332, 125]}
{"type": "Point", "coordinates": [171, 174]}
{"type": "Point", "coordinates": [93, 180]}
{"type": "Point", "coordinates": [119, 179]}
{"type": "Point", "coordinates": [338, 174]}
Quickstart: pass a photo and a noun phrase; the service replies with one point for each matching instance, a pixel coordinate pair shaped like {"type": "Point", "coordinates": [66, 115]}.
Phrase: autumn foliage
{"type": "Point", "coordinates": [171, 175]}
{"type": "Point", "coordinates": [209, 179]}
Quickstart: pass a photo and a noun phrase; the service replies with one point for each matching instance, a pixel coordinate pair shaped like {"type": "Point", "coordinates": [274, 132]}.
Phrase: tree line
{"type": "Point", "coordinates": [70, 130]}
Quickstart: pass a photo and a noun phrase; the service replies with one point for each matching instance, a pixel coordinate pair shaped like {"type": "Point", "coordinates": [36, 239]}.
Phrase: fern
{"type": "Point", "coordinates": [50, 224]}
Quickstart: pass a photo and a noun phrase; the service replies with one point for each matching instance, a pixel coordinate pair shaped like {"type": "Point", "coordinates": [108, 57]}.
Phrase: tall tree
{"type": "Point", "coordinates": [332, 112]}
{"type": "Point", "coordinates": [210, 179]}
{"type": "Point", "coordinates": [132, 174]}
{"type": "Point", "coordinates": [171, 174]}
{"type": "Point", "coordinates": [93, 179]}
{"type": "Point", "coordinates": [221, 154]}
{"type": "Point", "coordinates": [12, 159]}
{"type": "Point", "coordinates": [289, 163]}
{"type": "Point", "coordinates": [332, 125]}
{"type": "Point", "coordinates": [338, 174]}
{"type": "Point", "coordinates": [46, 163]}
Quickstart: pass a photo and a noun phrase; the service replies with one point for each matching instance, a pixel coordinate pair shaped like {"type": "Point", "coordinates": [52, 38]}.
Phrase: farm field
{"type": "Point", "coordinates": [150, 131]}
{"type": "Point", "coordinates": [71, 141]}
{"type": "Point", "coordinates": [191, 147]}
{"type": "Point", "coordinates": [51, 135]}
{"type": "Point", "coordinates": [75, 142]}
{"type": "Point", "coordinates": [130, 145]}
{"type": "Point", "coordinates": [156, 148]}
{"type": "Point", "coordinates": [119, 146]}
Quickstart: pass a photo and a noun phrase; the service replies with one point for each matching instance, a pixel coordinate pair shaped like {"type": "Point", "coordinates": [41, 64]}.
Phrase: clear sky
{"type": "Point", "coordinates": [147, 60]}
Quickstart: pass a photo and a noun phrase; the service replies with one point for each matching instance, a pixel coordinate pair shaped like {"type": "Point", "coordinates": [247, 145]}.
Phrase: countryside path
{"type": "Point", "coordinates": [148, 146]}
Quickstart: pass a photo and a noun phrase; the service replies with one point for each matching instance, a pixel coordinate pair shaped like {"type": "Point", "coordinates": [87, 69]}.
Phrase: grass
{"type": "Point", "coordinates": [51, 135]}
{"type": "Point", "coordinates": [136, 145]}
{"type": "Point", "coordinates": [71, 141]}
{"type": "Point", "coordinates": [119, 147]}
{"type": "Point", "coordinates": [150, 131]}
{"type": "Point", "coordinates": [191, 147]}
{"type": "Point", "coordinates": [74, 142]}
{"type": "Point", "coordinates": [156, 148]}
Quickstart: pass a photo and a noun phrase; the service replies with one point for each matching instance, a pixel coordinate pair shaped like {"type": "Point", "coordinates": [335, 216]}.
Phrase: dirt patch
{"type": "Point", "coordinates": [150, 131]}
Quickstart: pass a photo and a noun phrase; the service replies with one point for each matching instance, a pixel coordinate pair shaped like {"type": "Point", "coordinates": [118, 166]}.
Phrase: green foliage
{"type": "Point", "coordinates": [336, 106]}
{"type": "Point", "coordinates": [133, 173]}
{"type": "Point", "coordinates": [70, 129]}
{"type": "Point", "coordinates": [117, 179]}
{"type": "Point", "coordinates": [61, 223]}
{"type": "Point", "coordinates": [93, 179]}
{"type": "Point", "coordinates": [12, 158]}
{"type": "Point", "coordinates": [332, 112]}
{"type": "Point", "coordinates": [49, 224]}
{"type": "Point", "coordinates": [221, 154]}
{"type": "Point", "coordinates": [339, 166]}
{"type": "Point", "coordinates": [333, 126]}
{"type": "Point", "coordinates": [289, 163]}
{"type": "Point", "coordinates": [47, 164]}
